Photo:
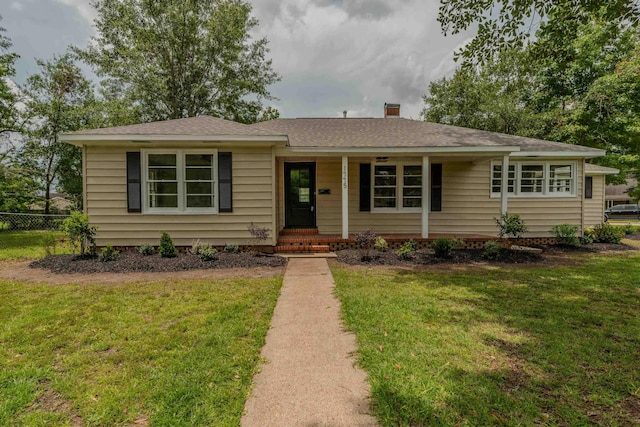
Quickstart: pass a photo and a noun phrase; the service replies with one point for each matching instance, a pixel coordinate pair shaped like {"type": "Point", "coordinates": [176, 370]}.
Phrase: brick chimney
{"type": "Point", "coordinates": [391, 110]}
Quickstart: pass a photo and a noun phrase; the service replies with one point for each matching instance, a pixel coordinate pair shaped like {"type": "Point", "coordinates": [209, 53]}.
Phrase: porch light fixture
{"type": "Point", "coordinates": [382, 159]}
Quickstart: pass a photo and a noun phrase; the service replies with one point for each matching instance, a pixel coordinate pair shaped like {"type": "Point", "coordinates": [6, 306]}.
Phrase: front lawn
{"type": "Point", "coordinates": [553, 345]}
{"type": "Point", "coordinates": [162, 353]}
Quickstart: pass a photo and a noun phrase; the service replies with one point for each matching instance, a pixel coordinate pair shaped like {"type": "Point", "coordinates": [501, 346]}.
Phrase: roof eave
{"type": "Point", "coordinates": [589, 154]}
{"type": "Point", "coordinates": [499, 150]}
{"type": "Point", "coordinates": [93, 139]}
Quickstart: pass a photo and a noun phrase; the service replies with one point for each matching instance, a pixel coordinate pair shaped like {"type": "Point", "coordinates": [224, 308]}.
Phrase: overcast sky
{"type": "Point", "coordinates": [333, 55]}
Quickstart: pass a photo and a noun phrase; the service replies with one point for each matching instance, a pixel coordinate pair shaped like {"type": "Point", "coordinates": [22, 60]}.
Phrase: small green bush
{"type": "Point", "coordinates": [511, 225]}
{"type": "Point", "coordinates": [167, 248]}
{"type": "Point", "coordinates": [108, 254]}
{"type": "Point", "coordinates": [80, 234]}
{"type": "Point", "coordinates": [587, 236]}
{"type": "Point", "coordinates": [381, 244]}
{"type": "Point", "coordinates": [443, 246]}
{"type": "Point", "coordinates": [607, 233]}
{"type": "Point", "coordinates": [145, 249]}
{"type": "Point", "coordinates": [207, 253]}
{"type": "Point", "coordinates": [628, 229]}
{"type": "Point", "coordinates": [407, 250]}
{"type": "Point", "coordinates": [566, 234]}
{"type": "Point", "coordinates": [231, 248]}
{"type": "Point", "coordinates": [491, 250]}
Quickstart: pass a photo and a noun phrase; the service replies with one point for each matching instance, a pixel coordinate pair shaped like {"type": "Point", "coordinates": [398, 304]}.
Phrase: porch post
{"type": "Point", "coordinates": [504, 188]}
{"type": "Point", "coordinates": [425, 197]}
{"type": "Point", "coordinates": [345, 197]}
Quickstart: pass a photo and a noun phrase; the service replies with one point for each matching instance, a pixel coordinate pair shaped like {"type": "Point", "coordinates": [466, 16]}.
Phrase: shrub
{"type": "Point", "coordinates": [607, 233]}
{"type": "Point", "coordinates": [231, 248]}
{"type": "Point", "coordinates": [80, 233]}
{"type": "Point", "coordinates": [381, 244]}
{"type": "Point", "coordinates": [511, 225]}
{"type": "Point", "coordinates": [491, 250]}
{"type": "Point", "coordinates": [566, 234]}
{"type": "Point", "coordinates": [628, 229]}
{"type": "Point", "coordinates": [167, 248]}
{"type": "Point", "coordinates": [365, 241]}
{"type": "Point", "coordinates": [443, 246]}
{"type": "Point", "coordinates": [206, 252]}
{"type": "Point", "coordinates": [195, 246]}
{"type": "Point", "coordinates": [587, 236]}
{"type": "Point", "coordinates": [145, 249]}
{"type": "Point", "coordinates": [407, 250]}
{"type": "Point", "coordinates": [108, 254]}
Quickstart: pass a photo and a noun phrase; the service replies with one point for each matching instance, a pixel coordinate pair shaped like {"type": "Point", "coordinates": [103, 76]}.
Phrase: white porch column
{"type": "Point", "coordinates": [504, 188]}
{"type": "Point", "coordinates": [426, 197]}
{"type": "Point", "coordinates": [345, 197]}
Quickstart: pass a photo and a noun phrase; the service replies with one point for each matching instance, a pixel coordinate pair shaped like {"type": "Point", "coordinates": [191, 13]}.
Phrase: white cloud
{"type": "Point", "coordinates": [381, 51]}
{"type": "Point", "coordinates": [83, 7]}
{"type": "Point", "coordinates": [16, 6]}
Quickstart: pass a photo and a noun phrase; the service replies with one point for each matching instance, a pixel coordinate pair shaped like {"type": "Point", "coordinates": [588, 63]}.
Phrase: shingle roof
{"type": "Point", "coordinates": [398, 132]}
{"type": "Point", "coordinates": [202, 125]}
{"type": "Point", "coordinates": [340, 133]}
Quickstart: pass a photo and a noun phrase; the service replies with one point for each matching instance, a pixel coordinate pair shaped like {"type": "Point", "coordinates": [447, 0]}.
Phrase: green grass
{"type": "Point", "coordinates": [171, 353]}
{"type": "Point", "coordinates": [490, 346]}
{"type": "Point", "coordinates": [30, 244]}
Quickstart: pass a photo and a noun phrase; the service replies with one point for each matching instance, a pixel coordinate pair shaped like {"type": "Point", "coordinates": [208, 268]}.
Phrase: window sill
{"type": "Point", "coordinates": [395, 211]}
{"type": "Point", "coordinates": [182, 213]}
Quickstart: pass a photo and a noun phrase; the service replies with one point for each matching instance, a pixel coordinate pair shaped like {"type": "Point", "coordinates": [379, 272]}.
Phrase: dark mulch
{"type": "Point", "coordinates": [134, 262]}
{"type": "Point", "coordinates": [354, 257]}
{"type": "Point", "coordinates": [633, 236]}
{"type": "Point", "coordinates": [592, 248]}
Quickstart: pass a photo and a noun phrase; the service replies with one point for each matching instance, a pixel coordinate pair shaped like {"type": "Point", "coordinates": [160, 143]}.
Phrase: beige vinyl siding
{"type": "Point", "coordinates": [106, 202]}
{"type": "Point", "coordinates": [594, 207]}
{"type": "Point", "coordinates": [467, 205]}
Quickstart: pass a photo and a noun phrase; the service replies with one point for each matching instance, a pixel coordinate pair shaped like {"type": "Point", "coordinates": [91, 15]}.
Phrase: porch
{"type": "Point", "coordinates": [308, 240]}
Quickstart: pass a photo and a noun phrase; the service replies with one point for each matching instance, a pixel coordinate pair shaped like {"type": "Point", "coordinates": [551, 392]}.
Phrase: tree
{"type": "Point", "coordinates": [8, 116]}
{"type": "Point", "coordinates": [59, 99]}
{"type": "Point", "coordinates": [503, 25]}
{"type": "Point", "coordinates": [175, 58]}
{"type": "Point", "coordinates": [17, 189]}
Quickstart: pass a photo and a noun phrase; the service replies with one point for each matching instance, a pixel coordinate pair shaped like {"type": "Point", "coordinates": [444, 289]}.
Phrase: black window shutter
{"type": "Point", "coordinates": [588, 187]}
{"type": "Point", "coordinates": [134, 184]}
{"type": "Point", "coordinates": [224, 182]}
{"type": "Point", "coordinates": [365, 187]}
{"type": "Point", "coordinates": [436, 187]}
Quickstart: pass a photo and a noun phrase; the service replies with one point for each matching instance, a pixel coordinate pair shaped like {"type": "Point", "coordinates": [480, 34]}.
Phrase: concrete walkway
{"type": "Point", "coordinates": [310, 378]}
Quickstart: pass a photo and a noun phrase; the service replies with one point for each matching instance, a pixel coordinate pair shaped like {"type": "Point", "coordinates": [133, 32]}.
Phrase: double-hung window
{"type": "Point", "coordinates": [536, 179]}
{"type": "Point", "coordinates": [397, 187]}
{"type": "Point", "coordinates": [180, 181]}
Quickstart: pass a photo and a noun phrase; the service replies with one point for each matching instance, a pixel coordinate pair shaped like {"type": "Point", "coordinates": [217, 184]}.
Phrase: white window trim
{"type": "Point", "coordinates": [399, 186]}
{"type": "Point", "coordinates": [180, 166]}
{"type": "Point", "coordinates": [545, 184]}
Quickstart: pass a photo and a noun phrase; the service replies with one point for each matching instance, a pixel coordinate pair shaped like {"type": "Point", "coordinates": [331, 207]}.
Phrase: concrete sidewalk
{"type": "Point", "coordinates": [310, 378]}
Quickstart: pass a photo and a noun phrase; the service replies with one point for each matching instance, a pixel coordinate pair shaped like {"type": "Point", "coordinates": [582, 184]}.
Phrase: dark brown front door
{"type": "Point", "coordinates": [300, 195]}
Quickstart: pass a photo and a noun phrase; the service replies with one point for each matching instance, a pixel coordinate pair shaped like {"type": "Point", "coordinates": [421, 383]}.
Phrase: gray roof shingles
{"type": "Point", "coordinates": [343, 133]}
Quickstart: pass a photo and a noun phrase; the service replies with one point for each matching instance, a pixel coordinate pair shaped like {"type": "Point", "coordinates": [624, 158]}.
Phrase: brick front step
{"type": "Point", "coordinates": [299, 231]}
{"type": "Point", "coordinates": [301, 249]}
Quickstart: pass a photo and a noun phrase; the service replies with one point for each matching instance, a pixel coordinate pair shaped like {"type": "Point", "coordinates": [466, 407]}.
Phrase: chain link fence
{"type": "Point", "coordinates": [30, 235]}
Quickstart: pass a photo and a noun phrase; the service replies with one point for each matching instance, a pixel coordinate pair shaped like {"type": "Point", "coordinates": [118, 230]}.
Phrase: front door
{"type": "Point", "coordinates": [300, 195]}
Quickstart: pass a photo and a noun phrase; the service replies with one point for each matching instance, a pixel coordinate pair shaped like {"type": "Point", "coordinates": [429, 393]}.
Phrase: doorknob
{"type": "Point", "coordinates": [312, 208]}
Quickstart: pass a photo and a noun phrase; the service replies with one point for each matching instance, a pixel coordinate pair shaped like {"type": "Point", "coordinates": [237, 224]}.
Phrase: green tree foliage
{"type": "Point", "coordinates": [175, 58]}
{"type": "Point", "coordinates": [585, 93]}
{"type": "Point", "coordinates": [511, 24]}
{"type": "Point", "coordinates": [17, 189]}
{"type": "Point", "coordinates": [59, 99]}
{"type": "Point", "coordinates": [8, 98]}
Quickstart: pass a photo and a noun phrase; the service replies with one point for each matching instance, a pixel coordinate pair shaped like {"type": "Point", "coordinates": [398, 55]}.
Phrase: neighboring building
{"type": "Point", "coordinates": [207, 178]}
{"type": "Point", "coordinates": [57, 203]}
{"type": "Point", "coordinates": [618, 194]}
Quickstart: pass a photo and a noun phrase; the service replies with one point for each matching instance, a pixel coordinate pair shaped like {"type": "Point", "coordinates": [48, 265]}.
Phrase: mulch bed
{"type": "Point", "coordinates": [135, 262]}
{"type": "Point", "coordinates": [426, 257]}
{"type": "Point", "coordinates": [354, 257]}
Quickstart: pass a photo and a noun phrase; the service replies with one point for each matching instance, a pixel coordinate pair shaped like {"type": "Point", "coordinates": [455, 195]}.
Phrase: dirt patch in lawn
{"type": "Point", "coordinates": [132, 268]}
{"type": "Point", "coordinates": [52, 401]}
